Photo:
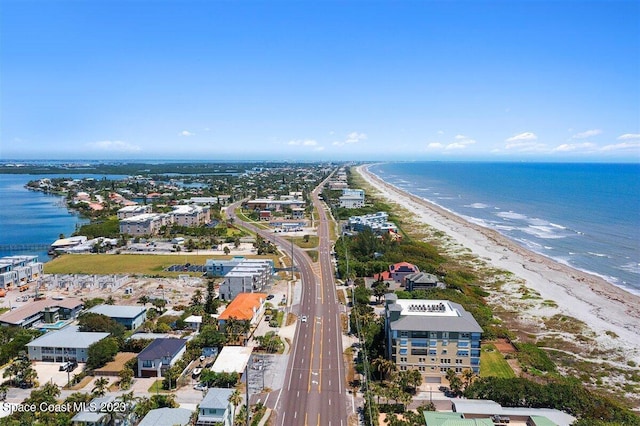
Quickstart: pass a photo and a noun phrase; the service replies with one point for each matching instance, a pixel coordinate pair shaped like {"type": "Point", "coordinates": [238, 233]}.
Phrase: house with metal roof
{"type": "Point", "coordinates": [433, 418]}
{"type": "Point", "coordinates": [167, 416]}
{"type": "Point", "coordinates": [131, 317]}
{"type": "Point", "coordinates": [63, 345]}
{"type": "Point", "coordinates": [161, 354]}
{"type": "Point", "coordinates": [92, 415]}
{"type": "Point", "coordinates": [215, 408]}
{"type": "Point", "coordinates": [486, 408]}
{"type": "Point", "coordinates": [422, 281]}
{"type": "Point", "coordinates": [431, 336]}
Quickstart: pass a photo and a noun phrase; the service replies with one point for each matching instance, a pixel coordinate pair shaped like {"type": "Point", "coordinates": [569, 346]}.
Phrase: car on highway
{"type": "Point", "coordinates": [304, 318]}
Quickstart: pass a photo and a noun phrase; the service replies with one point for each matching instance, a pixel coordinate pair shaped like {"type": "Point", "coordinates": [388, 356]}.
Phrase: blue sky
{"type": "Point", "coordinates": [325, 80]}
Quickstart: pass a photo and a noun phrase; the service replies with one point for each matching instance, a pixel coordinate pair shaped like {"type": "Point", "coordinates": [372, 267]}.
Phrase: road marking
{"type": "Point", "coordinates": [313, 342]}
{"type": "Point", "coordinates": [321, 344]}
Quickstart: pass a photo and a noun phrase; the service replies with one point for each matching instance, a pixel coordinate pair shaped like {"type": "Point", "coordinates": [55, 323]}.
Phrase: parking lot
{"type": "Point", "coordinates": [50, 372]}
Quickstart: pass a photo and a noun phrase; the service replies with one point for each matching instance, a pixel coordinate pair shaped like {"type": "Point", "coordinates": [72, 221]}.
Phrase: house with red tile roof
{"type": "Point", "coordinates": [397, 272]}
{"type": "Point", "coordinates": [244, 307]}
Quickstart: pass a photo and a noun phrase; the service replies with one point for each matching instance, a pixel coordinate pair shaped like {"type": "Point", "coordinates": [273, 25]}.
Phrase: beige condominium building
{"type": "Point", "coordinates": [431, 336]}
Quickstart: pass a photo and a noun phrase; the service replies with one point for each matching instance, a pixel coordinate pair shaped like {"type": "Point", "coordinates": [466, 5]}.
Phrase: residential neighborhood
{"type": "Point", "coordinates": [213, 335]}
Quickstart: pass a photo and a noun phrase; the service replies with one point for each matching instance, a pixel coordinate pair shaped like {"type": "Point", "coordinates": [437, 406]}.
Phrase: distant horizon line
{"type": "Point", "coordinates": [20, 161]}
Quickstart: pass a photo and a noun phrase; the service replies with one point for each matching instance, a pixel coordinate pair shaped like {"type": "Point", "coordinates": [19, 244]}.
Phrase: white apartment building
{"type": "Point", "coordinates": [249, 276]}
{"type": "Point", "coordinates": [131, 211]}
{"type": "Point", "coordinates": [193, 215]}
{"type": "Point", "coordinates": [352, 198]}
{"type": "Point", "coordinates": [145, 224]}
{"type": "Point", "coordinates": [19, 270]}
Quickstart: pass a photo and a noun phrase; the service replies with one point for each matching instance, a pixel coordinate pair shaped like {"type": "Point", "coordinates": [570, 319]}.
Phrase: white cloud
{"type": "Point", "coordinates": [303, 142]}
{"type": "Point", "coordinates": [186, 133]}
{"type": "Point", "coordinates": [628, 136]}
{"type": "Point", "coordinates": [570, 147]}
{"type": "Point", "coordinates": [353, 137]}
{"type": "Point", "coordinates": [621, 146]}
{"type": "Point", "coordinates": [587, 134]}
{"type": "Point", "coordinates": [319, 148]}
{"type": "Point", "coordinates": [460, 142]}
{"type": "Point", "coordinates": [440, 132]}
{"type": "Point", "coordinates": [114, 146]}
{"type": "Point", "coordinates": [526, 136]}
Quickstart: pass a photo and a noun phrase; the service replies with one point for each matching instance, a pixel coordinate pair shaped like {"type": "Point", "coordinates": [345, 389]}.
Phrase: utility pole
{"type": "Point", "coordinates": [246, 375]}
{"type": "Point", "coordinates": [292, 265]}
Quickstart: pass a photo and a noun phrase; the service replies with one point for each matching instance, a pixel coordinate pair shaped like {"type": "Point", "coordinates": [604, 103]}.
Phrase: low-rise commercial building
{"type": "Point", "coordinates": [431, 336]}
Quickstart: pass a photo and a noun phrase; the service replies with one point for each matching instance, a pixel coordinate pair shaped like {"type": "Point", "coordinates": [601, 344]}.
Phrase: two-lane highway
{"type": "Point", "coordinates": [314, 390]}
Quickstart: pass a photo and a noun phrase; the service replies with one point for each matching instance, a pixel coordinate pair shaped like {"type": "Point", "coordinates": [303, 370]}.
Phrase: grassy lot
{"type": "Point", "coordinates": [153, 264]}
{"type": "Point", "coordinates": [313, 254]}
{"type": "Point", "coordinates": [300, 242]}
{"type": "Point", "coordinates": [492, 363]}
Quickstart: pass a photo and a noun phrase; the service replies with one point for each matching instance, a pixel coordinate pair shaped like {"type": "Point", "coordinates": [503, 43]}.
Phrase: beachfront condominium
{"type": "Point", "coordinates": [431, 336]}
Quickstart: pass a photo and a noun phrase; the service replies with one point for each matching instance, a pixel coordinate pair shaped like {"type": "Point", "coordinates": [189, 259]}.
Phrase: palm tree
{"type": "Point", "coordinates": [468, 376]}
{"type": "Point", "coordinates": [100, 387]}
{"type": "Point", "coordinates": [235, 399]}
{"type": "Point", "coordinates": [383, 366]}
{"type": "Point", "coordinates": [415, 379]}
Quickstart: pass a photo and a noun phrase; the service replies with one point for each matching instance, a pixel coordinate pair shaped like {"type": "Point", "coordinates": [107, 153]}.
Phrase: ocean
{"type": "Point", "coordinates": [586, 216]}
{"type": "Point", "coordinates": [31, 220]}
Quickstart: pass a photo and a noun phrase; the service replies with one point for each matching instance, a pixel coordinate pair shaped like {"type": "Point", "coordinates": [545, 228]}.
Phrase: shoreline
{"type": "Point", "coordinates": [602, 306]}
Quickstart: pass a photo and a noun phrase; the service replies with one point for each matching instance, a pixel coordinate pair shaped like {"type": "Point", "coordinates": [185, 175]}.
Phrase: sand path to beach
{"type": "Point", "coordinates": [612, 313]}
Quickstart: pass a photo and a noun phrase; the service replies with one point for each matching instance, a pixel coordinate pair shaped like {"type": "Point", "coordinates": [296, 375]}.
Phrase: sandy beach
{"type": "Point", "coordinates": [611, 313]}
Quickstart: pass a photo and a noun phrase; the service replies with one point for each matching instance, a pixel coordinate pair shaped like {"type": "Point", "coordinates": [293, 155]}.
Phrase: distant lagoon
{"type": "Point", "coordinates": [30, 219]}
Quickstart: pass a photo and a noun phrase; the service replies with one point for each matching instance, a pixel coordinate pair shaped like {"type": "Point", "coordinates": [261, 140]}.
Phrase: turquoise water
{"type": "Point", "coordinates": [584, 215]}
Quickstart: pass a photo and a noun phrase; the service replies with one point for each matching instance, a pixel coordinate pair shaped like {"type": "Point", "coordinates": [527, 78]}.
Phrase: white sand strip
{"type": "Point", "coordinates": [591, 299]}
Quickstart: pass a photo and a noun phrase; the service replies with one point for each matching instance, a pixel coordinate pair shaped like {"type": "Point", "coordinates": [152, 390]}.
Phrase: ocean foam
{"type": "Point", "coordinates": [477, 206]}
{"type": "Point", "coordinates": [542, 232]}
{"type": "Point", "coordinates": [511, 215]}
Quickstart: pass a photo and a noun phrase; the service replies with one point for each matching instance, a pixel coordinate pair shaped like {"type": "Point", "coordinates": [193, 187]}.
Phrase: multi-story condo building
{"type": "Point", "coordinates": [352, 198]}
{"type": "Point", "coordinates": [16, 271]}
{"type": "Point", "coordinates": [377, 222]}
{"type": "Point", "coordinates": [431, 336]}
{"type": "Point", "coordinates": [144, 224]}
{"type": "Point", "coordinates": [131, 211]}
{"type": "Point", "coordinates": [191, 215]}
{"type": "Point", "coordinates": [249, 276]}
